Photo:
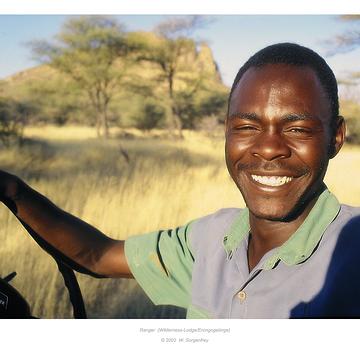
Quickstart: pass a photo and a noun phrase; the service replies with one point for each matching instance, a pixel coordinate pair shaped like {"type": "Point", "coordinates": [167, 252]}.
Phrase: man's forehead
{"type": "Point", "coordinates": [301, 80]}
{"type": "Point", "coordinates": [277, 72]}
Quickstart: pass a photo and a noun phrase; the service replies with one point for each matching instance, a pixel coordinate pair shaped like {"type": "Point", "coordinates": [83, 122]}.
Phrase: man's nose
{"type": "Point", "coordinates": [270, 146]}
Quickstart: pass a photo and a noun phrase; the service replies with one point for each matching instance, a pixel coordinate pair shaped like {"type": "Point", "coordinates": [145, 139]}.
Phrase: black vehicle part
{"type": "Point", "coordinates": [12, 303]}
{"type": "Point", "coordinates": [73, 287]}
{"type": "Point", "coordinates": [65, 266]}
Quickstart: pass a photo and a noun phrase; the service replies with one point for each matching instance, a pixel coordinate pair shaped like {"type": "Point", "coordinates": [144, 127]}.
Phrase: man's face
{"type": "Point", "coordinates": [278, 139]}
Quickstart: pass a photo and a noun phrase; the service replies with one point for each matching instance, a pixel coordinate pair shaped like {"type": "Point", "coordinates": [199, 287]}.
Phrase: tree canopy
{"type": "Point", "coordinates": [174, 53]}
{"type": "Point", "coordinates": [92, 50]}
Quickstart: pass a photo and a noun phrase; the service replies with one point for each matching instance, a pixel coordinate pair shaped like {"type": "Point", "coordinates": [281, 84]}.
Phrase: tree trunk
{"type": "Point", "coordinates": [102, 124]}
{"type": "Point", "coordinates": [98, 126]}
{"type": "Point", "coordinates": [105, 125]}
{"type": "Point", "coordinates": [174, 117]}
{"type": "Point", "coordinates": [176, 122]}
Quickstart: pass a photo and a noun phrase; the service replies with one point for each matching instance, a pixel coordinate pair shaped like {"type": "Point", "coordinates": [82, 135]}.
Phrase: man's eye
{"type": "Point", "coordinates": [245, 128]}
{"type": "Point", "coordinates": [299, 130]}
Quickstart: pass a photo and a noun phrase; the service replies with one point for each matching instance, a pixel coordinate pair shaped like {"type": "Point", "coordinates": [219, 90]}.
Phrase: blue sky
{"type": "Point", "coordinates": [233, 38]}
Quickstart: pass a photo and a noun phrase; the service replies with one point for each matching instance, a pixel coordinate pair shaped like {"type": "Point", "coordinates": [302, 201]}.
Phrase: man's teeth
{"type": "Point", "coordinates": [272, 180]}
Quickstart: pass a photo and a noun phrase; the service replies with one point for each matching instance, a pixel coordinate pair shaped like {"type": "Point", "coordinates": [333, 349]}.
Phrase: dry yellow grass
{"type": "Point", "coordinates": [343, 175]}
{"type": "Point", "coordinates": [166, 184]}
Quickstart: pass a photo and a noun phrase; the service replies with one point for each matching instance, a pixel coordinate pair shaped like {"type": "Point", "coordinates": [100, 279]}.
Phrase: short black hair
{"type": "Point", "coordinates": [297, 55]}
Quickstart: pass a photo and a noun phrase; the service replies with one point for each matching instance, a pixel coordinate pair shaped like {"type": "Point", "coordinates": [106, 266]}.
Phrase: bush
{"type": "Point", "coordinates": [215, 104]}
{"type": "Point", "coordinates": [150, 116]}
{"type": "Point", "coordinates": [13, 116]}
{"type": "Point", "coordinates": [353, 130]}
{"type": "Point", "coordinates": [191, 110]}
{"type": "Point", "coordinates": [351, 112]}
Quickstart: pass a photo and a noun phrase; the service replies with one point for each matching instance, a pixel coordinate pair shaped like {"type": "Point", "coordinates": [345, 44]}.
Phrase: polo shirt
{"type": "Point", "coordinates": [203, 266]}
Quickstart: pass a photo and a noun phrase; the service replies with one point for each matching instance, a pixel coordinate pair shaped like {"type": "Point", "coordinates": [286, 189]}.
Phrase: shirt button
{"type": "Point", "coordinates": [241, 295]}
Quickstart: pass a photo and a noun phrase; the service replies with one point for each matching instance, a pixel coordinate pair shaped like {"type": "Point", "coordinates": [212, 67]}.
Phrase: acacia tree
{"type": "Point", "coordinates": [88, 49]}
{"type": "Point", "coordinates": [168, 55]}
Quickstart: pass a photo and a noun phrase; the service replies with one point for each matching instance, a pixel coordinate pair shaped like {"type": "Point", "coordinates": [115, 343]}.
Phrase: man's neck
{"type": "Point", "coordinates": [266, 234]}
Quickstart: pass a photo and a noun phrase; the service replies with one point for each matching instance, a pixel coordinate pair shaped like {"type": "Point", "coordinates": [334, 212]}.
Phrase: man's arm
{"type": "Point", "coordinates": [77, 240]}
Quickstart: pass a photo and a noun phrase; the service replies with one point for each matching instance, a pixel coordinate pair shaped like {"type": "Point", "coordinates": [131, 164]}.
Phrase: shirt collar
{"type": "Point", "coordinates": [301, 244]}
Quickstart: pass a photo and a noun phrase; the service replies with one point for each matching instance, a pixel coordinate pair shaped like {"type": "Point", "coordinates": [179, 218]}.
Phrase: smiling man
{"type": "Point", "coordinates": [292, 252]}
{"type": "Point", "coordinates": [281, 132]}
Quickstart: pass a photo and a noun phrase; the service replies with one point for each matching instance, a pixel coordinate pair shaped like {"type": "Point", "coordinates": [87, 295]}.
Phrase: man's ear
{"type": "Point", "coordinates": [339, 136]}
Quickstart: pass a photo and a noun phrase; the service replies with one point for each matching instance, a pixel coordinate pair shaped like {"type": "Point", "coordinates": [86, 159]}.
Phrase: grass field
{"type": "Point", "coordinates": [165, 184]}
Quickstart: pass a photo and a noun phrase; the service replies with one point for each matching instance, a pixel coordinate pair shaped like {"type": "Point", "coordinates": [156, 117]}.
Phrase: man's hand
{"type": "Point", "coordinates": [78, 241]}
